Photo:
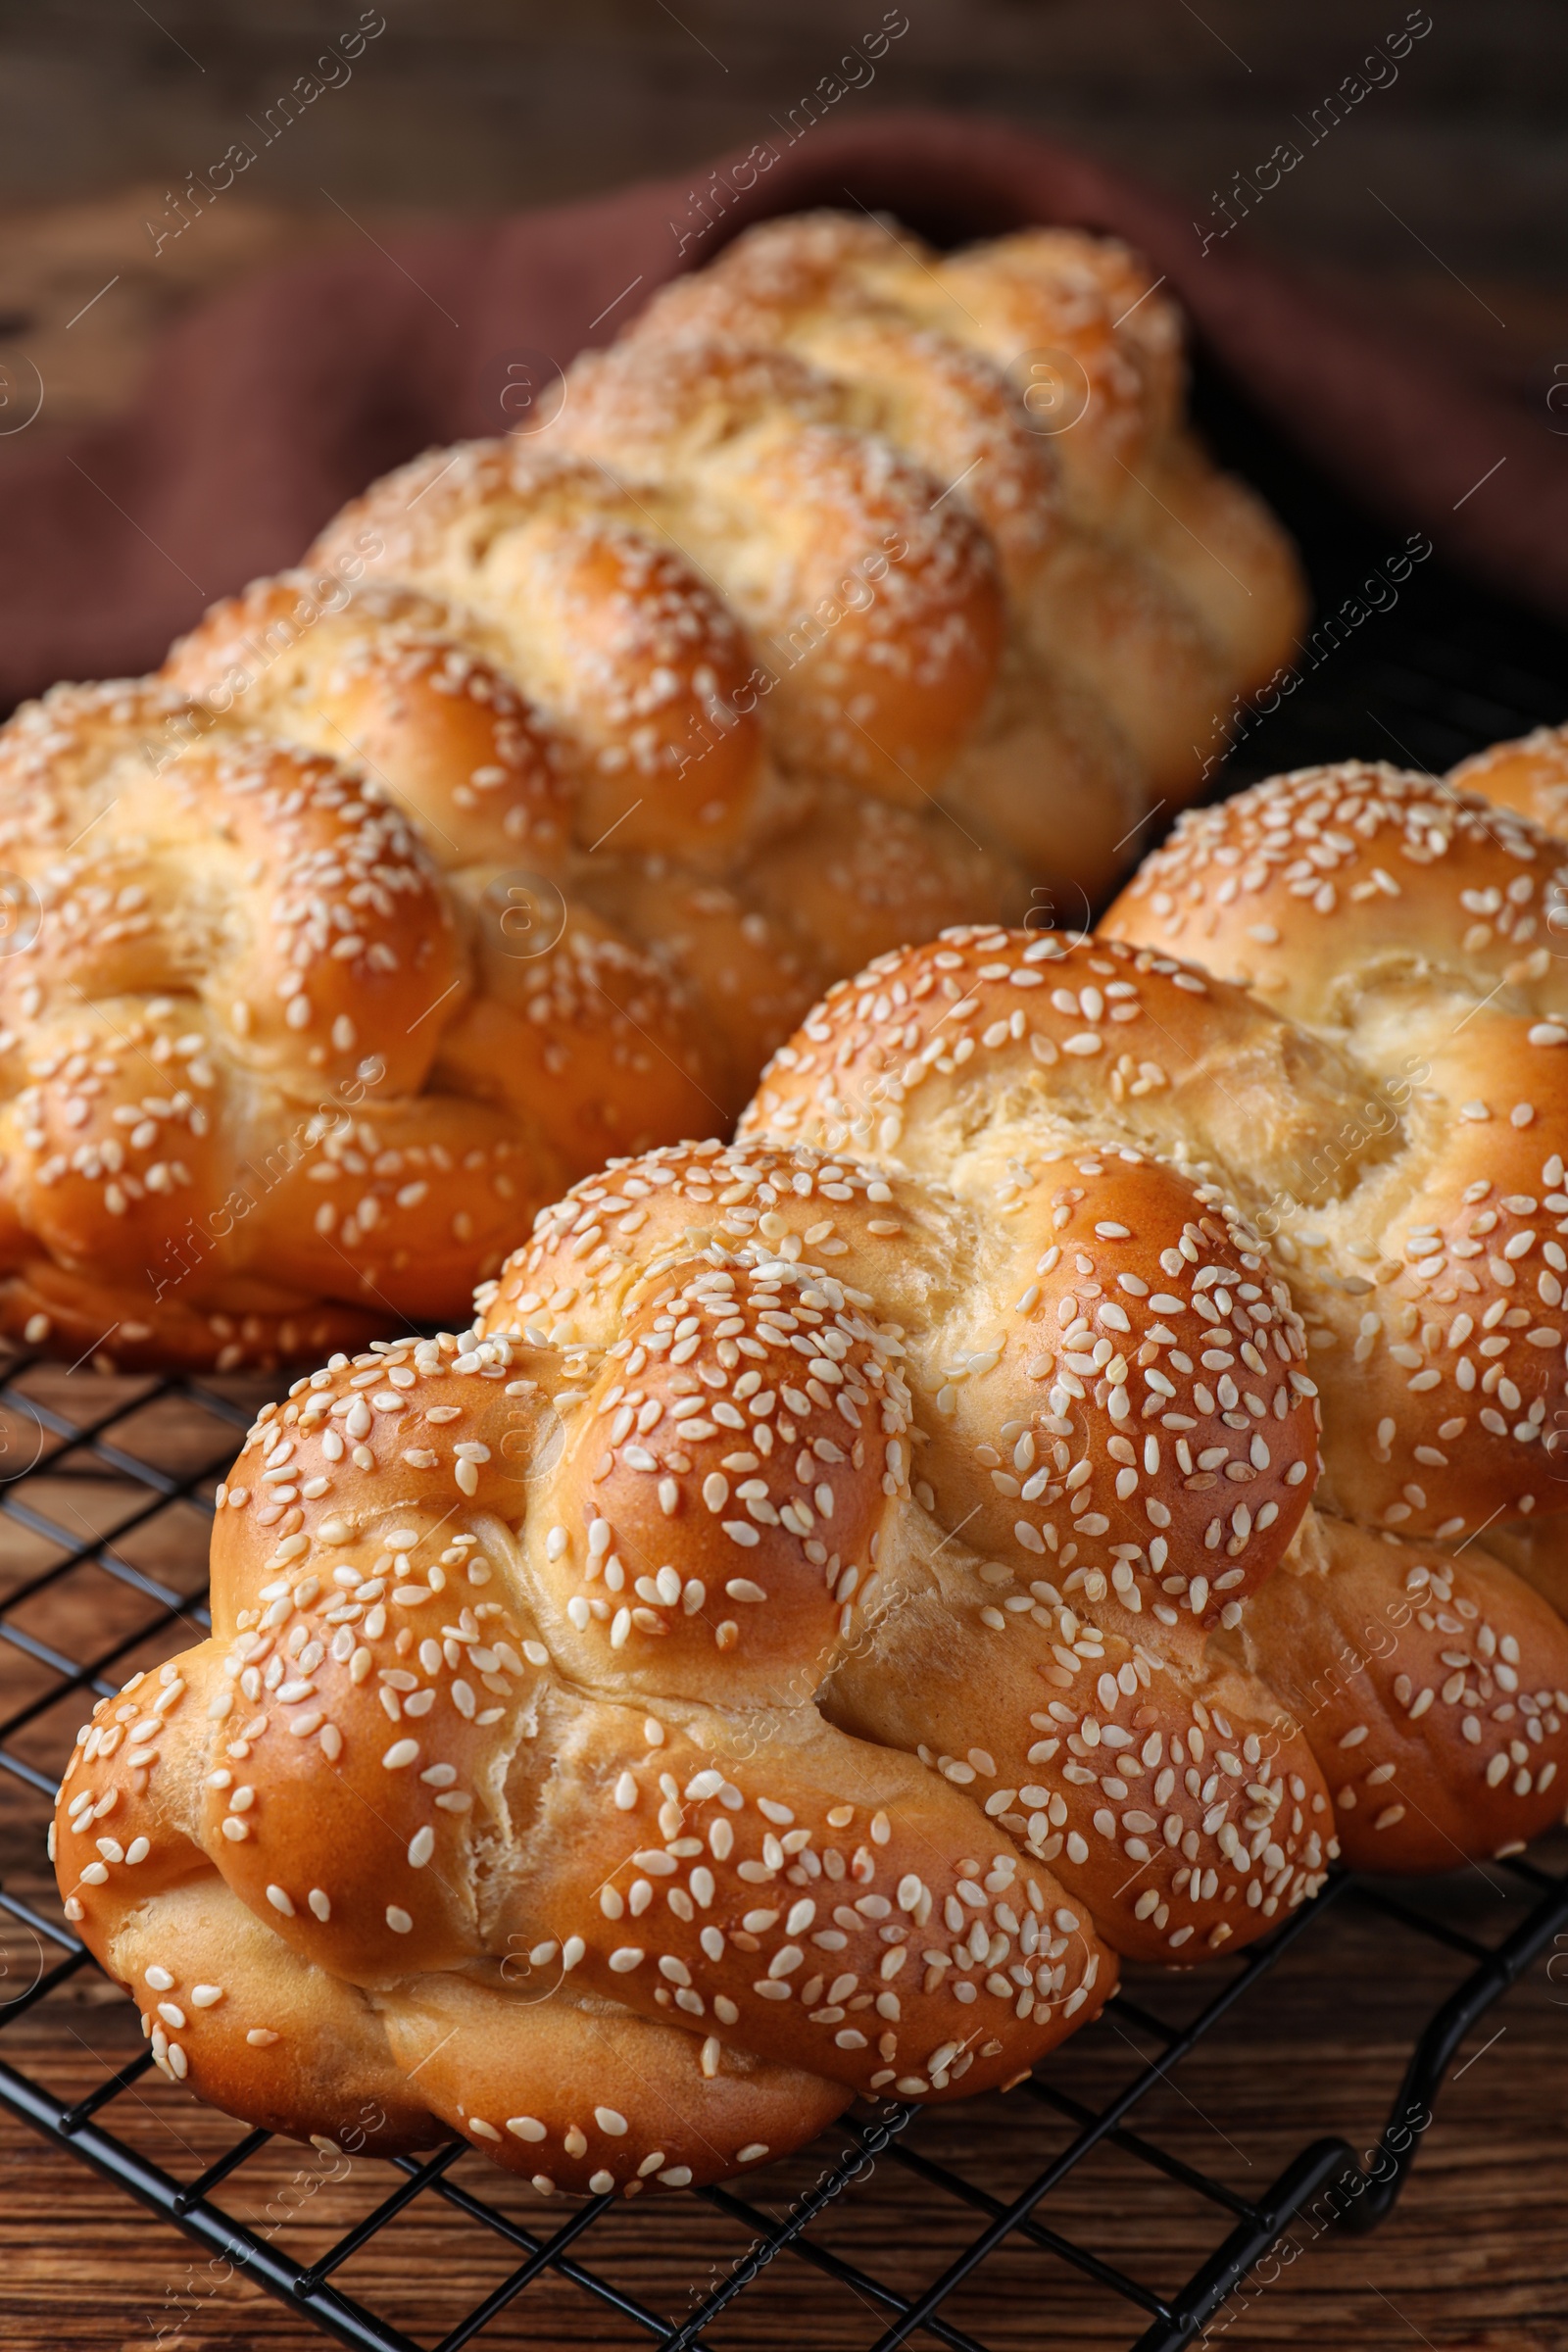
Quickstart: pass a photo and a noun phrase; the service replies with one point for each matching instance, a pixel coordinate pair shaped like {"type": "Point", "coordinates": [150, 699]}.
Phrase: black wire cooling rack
{"type": "Point", "coordinates": [105, 1507]}
{"type": "Point", "coordinates": [102, 1528]}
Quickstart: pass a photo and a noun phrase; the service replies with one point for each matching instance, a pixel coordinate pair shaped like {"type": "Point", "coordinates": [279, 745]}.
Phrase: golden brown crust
{"type": "Point", "coordinates": [1162, 1788]}
{"type": "Point", "coordinates": [464, 1740]}
{"type": "Point", "coordinates": [580, 762]}
{"type": "Point", "coordinates": [1038, 381]}
{"type": "Point", "coordinates": [1529, 775]}
{"type": "Point", "coordinates": [1405, 928]}
{"type": "Point", "coordinates": [320, 2045]}
{"type": "Point", "coordinates": [887, 1540]}
{"type": "Point", "coordinates": [869, 875]}
{"type": "Point", "coordinates": [386, 676]}
{"type": "Point", "coordinates": [1102, 1093]}
{"type": "Point", "coordinates": [223, 1010]}
{"type": "Point", "coordinates": [1077, 1524]}
{"type": "Point", "coordinates": [587, 2096]}
{"type": "Point", "coordinates": [794, 509]}
{"type": "Point", "coordinates": [1537, 1550]}
{"type": "Point", "coordinates": [1432, 1688]}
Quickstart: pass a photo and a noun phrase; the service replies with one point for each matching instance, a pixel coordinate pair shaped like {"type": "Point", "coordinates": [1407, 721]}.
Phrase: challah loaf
{"type": "Point", "coordinates": [1136, 574]}
{"type": "Point", "coordinates": [1426, 1241]}
{"type": "Point", "coordinates": [398, 902]}
{"type": "Point", "coordinates": [982, 560]}
{"type": "Point", "coordinates": [917, 1494]}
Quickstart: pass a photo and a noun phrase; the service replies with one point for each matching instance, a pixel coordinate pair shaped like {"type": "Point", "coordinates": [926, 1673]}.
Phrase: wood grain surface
{"type": "Point", "coordinates": [1475, 2258]}
{"type": "Point", "coordinates": [476, 104]}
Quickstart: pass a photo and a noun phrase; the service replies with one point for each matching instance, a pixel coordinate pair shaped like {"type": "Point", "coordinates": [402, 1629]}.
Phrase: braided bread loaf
{"type": "Point", "coordinates": [1072, 600]}
{"type": "Point", "coordinates": [917, 1494]}
{"type": "Point", "coordinates": [520, 826]}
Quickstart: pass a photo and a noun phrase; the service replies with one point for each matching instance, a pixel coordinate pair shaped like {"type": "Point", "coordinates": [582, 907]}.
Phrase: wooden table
{"type": "Point", "coordinates": [1475, 2258]}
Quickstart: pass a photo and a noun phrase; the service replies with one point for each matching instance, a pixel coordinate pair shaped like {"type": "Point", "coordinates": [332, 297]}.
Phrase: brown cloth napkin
{"type": "Point", "coordinates": [268, 407]}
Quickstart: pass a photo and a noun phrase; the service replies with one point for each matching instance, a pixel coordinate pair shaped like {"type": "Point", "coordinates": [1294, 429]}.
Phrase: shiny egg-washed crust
{"type": "Point", "coordinates": [1138, 575]}
{"type": "Point", "coordinates": [1530, 775]}
{"type": "Point", "coordinates": [1012, 1641]}
{"type": "Point", "coordinates": [500, 1798]}
{"type": "Point", "coordinates": [265, 1082]}
{"type": "Point", "coordinates": [1142, 1119]}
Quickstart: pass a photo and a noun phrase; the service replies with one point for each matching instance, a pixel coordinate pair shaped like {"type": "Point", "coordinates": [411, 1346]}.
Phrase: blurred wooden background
{"type": "Point", "coordinates": [465, 106]}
